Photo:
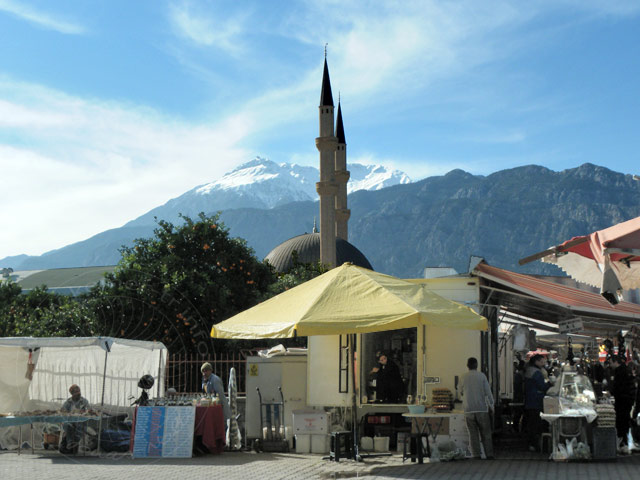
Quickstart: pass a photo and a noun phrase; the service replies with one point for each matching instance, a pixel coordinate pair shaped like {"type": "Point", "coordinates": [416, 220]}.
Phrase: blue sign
{"type": "Point", "coordinates": [164, 432]}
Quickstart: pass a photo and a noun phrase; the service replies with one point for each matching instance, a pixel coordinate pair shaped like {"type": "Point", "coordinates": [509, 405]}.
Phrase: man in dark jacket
{"type": "Point", "coordinates": [389, 384]}
{"type": "Point", "coordinates": [623, 391]}
{"type": "Point", "coordinates": [535, 388]}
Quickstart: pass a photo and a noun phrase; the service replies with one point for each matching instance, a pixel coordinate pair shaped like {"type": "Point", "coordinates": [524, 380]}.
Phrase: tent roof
{"type": "Point", "coordinates": [548, 301]}
{"type": "Point", "coordinates": [39, 342]}
{"type": "Point", "coordinates": [348, 299]}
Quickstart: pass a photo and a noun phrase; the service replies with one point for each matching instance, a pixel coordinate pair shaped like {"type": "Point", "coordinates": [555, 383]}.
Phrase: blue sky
{"type": "Point", "coordinates": [108, 109]}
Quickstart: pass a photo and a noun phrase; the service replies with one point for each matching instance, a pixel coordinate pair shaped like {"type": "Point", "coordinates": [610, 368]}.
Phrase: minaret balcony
{"type": "Point", "coordinates": [327, 144]}
{"type": "Point", "coordinates": [326, 188]}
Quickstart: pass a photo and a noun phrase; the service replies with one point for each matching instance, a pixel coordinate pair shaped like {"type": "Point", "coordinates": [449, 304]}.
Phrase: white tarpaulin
{"type": "Point", "coordinates": [61, 362]}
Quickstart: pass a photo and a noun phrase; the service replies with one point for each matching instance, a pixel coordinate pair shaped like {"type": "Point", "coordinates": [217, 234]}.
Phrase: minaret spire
{"type": "Point", "coordinates": [326, 143]}
{"type": "Point", "coordinates": [342, 177]}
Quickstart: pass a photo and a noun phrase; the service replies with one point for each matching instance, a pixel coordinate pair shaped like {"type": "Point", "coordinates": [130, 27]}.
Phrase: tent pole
{"type": "Point", "coordinates": [104, 372]}
{"type": "Point", "coordinates": [354, 404]}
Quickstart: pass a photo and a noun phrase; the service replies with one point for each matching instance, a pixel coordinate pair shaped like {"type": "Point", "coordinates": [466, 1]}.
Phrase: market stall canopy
{"type": "Point", "coordinates": [608, 259]}
{"type": "Point", "coordinates": [517, 294]}
{"type": "Point", "coordinates": [348, 299]}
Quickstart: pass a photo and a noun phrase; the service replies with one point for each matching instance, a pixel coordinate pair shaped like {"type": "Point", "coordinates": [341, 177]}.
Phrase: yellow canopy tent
{"type": "Point", "coordinates": [348, 299]}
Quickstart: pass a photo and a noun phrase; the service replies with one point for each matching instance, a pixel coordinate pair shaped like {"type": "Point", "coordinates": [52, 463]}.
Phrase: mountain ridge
{"type": "Point", "coordinates": [437, 221]}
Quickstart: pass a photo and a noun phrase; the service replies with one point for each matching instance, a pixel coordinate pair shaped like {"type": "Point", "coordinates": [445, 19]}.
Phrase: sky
{"type": "Point", "coordinates": [110, 108]}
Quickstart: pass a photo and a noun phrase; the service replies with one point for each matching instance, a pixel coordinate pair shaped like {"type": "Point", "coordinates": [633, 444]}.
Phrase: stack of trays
{"type": "Point", "coordinates": [606, 415]}
{"type": "Point", "coordinates": [442, 399]}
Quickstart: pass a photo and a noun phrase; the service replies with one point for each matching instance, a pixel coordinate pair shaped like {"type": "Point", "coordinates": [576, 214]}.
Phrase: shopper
{"type": "Point", "coordinates": [535, 388]}
{"type": "Point", "coordinates": [212, 385]}
{"type": "Point", "coordinates": [635, 427]}
{"type": "Point", "coordinates": [623, 391]}
{"type": "Point", "coordinates": [477, 401]}
{"type": "Point", "coordinates": [517, 409]}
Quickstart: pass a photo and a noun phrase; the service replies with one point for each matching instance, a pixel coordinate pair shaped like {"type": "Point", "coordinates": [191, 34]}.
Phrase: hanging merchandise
{"type": "Point", "coordinates": [569, 351]}
{"type": "Point", "coordinates": [31, 364]}
{"type": "Point", "coordinates": [520, 338]}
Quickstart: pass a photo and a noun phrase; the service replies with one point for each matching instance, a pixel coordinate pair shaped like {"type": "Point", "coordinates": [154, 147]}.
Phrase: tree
{"type": "Point", "coordinates": [40, 313]}
{"type": "Point", "coordinates": [175, 286]}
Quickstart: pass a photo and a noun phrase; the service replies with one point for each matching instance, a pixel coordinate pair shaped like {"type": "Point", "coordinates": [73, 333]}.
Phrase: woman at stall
{"type": "Point", "coordinates": [535, 388]}
{"type": "Point", "coordinates": [389, 384]}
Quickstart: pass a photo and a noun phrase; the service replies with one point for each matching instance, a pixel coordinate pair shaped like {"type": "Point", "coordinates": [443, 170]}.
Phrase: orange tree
{"type": "Point", "coordinates": [40, 313]}
{"type": "Point", "coordinates": [174, 286]}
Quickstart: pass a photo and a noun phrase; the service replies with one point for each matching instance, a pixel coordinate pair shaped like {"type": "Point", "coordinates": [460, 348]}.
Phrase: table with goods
{"type": "Point", "coordinates": [170, 427]}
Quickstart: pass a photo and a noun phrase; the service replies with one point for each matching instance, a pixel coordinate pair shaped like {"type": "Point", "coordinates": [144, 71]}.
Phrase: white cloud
{"type": "Point", "coordinates": [42, 19]}
{"type": "Point", "coordinates": [97, 164]}
{"type": "Point", "coordinates": [190, 20]}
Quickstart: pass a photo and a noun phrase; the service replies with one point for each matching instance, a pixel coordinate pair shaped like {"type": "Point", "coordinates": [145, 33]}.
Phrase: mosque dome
{"type": "Point", "coordinates": [308, 248]}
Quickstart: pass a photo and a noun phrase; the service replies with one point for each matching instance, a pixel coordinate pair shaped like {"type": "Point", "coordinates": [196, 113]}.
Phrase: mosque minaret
{"type": "Point", "coordinates": [327, 187]}
{"type": "Point", "coordinates": [342, 177]}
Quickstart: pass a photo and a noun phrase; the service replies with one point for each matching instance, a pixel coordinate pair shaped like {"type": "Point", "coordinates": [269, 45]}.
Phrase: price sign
{"type": "Point", "coordinates": [573, 325]}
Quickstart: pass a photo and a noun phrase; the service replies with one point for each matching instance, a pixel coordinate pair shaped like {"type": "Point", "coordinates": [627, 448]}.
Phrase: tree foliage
{"type": "Point", "coordinates": [40, 313]}
{"type": "Point", "coordinates": [173, 287]}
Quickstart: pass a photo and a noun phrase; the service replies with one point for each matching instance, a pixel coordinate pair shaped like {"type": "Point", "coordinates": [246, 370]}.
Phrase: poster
{"type": "Point", "coordinates": [164, 432]}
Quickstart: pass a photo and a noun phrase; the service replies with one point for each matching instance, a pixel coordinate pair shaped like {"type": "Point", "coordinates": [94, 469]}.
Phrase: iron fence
{"type": "Point", "coordinates": [183, 370]}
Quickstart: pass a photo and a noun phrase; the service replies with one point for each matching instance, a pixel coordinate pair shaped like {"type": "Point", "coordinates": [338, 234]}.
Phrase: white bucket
{"type": "Point", "coordinates": [303, 443]}
{"type": "Point", "coordinates": [381, 444]}
{"type": "Point", "coordinates": [319, 443]}
{"type": "Point", "coordinates": [366, 443]}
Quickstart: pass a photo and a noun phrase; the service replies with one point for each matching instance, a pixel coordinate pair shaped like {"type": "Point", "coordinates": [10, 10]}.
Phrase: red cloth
{"type": "Point", "coordinates": [210, 425]}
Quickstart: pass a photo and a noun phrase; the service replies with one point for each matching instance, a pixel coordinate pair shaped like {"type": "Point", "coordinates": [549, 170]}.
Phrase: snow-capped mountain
{"type": "Point", "coordinates": [262, 183]}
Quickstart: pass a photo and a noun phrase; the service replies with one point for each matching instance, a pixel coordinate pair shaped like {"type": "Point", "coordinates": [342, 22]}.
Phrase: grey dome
{"type": "Point", "coordinates": [308, 248]}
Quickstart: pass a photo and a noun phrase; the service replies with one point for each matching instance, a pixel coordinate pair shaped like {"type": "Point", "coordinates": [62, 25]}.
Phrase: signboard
{"type": "Point", "coordinates": [164, 432]}
{"type": "Point", "coordinates": [431, 379]}
{"type": "Point", "coordinates": [573, 325]}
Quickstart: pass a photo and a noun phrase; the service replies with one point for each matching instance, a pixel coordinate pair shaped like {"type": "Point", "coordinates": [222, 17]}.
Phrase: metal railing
{"type": "Point", "coordinates": [183, 370]}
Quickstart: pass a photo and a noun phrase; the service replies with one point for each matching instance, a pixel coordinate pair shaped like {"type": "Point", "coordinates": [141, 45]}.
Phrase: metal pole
{"type": "Point", "coordinates": [104, 372]}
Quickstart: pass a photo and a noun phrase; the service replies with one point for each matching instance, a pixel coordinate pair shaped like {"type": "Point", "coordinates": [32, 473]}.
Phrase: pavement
{"type": "Point", "coordinates": [272, 466]}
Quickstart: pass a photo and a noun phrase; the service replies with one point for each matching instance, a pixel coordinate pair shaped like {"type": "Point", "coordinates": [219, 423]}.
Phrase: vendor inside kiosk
{"type": "Point", "coordinates": [390, 366]}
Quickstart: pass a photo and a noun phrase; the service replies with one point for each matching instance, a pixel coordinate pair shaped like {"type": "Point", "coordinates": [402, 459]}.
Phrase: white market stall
{"type": "Point", "coordinates": [35, 373]}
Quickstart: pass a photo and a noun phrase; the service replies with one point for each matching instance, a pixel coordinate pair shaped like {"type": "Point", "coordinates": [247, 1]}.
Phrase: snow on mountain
{"type": "Point", "coordinates": [253, 176]}
{"type": "Point", "coordinates": [262, 183]}
{"type": "Point", "coordinates": [373, 177]}
{"type": "Point", "coordinates": [269, 183]}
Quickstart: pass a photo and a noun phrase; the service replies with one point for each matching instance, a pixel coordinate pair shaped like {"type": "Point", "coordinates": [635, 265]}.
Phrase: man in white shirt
{"type": "Point", "coordinates": [477, 401]}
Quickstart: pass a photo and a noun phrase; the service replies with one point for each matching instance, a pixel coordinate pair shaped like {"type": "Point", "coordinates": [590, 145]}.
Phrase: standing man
{"type": "Point", "coordinates": [535, 388]}
{"type": "Point", "coordinates": [477, 400]}
{"type": "Point", "coordinates": [212, 385]}
{"type": "Point", "coordinates": [623, 391]}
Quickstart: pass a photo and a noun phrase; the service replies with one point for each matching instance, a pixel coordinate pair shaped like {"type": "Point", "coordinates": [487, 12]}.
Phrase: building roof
{"type": "Point", "coordinates": [340, 126]}
{"type": "Point", "coordinates": [326, 98]}
{"type": "Point", "coordinates": [62, 280]}
{"type": "Point", "coordinates": [308, 248]}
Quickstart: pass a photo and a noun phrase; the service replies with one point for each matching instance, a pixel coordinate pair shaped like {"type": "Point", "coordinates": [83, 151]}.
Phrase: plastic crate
{"type": "Point", "coordinates": [604, 443]}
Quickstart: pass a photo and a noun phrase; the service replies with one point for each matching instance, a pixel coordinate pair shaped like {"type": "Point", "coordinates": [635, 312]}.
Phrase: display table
{"type": "Point", "coordinates": [567, 425]}
{"type": "Point", "coordinates": [431, 425]}
{"type": "Point", "coordinates": [12, 421]}
{"type": "Point", "coordinates": [207, 424]}
{"type": "Point", "coordinates": [210, 425]}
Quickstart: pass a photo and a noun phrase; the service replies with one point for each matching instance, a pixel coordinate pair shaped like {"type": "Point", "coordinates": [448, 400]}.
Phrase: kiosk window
{"type": "Point", "coordinates": [400, 346]}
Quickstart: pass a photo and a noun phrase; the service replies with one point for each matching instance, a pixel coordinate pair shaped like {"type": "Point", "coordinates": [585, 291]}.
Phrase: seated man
{"type": "Point", "coordinates": [72, 431]}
